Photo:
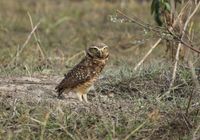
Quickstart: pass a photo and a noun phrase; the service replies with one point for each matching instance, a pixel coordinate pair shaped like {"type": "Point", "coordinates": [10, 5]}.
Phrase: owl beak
{"type": "Point", "coordinates": [104, 54]}
{"type": "Point", "coordinates": [100, 54]}
{"type": "Point", "coordinates": [107, 56]}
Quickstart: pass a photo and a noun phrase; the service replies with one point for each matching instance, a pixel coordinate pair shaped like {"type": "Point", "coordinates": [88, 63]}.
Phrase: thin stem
{"type": "Point", "coordinates": [147, 54]}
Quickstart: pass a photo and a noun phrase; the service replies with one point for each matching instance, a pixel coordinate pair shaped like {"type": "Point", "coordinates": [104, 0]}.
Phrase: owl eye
{"type": "Point", "coordinates": [93, 50]}
{"type": "Point", "coordinates": [105, 48]}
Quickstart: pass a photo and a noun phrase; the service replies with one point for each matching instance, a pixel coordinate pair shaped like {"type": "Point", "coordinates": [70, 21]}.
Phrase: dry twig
{"type": "Point", "coordinates": [180, 45]}
{"type": "Point", "coordinates": [160, 31]}
{"type": "Point", "coordinates": [25, 43]}
{"type": "Point", "coordinates": [36, 39]}
{"type": "Point", "coordinates": [147, 54]}
{"type": "Point", "coordinates": [170, 31]}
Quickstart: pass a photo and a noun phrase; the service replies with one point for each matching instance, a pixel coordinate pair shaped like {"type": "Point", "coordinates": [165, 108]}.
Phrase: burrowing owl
{"type": "Point", "coordinates": [80, 79]}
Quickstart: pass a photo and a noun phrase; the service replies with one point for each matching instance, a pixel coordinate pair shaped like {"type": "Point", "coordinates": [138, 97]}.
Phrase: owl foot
{"type": "Point", "coordinates": [80, 97]}
{"type": "Point", "coordinates": [61, 96]}
{"type": "Point", "coordinates": [85, 98]}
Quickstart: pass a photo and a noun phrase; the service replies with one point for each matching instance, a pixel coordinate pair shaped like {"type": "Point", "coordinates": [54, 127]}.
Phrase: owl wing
{"type": "Point", "coordinates": [77, 76]}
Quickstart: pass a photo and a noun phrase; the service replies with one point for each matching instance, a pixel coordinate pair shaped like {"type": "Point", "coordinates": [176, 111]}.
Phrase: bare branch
{"type": "Point", "coordinates": [147, 54]}
{"type": "Point", "coordinates": [162, 31]}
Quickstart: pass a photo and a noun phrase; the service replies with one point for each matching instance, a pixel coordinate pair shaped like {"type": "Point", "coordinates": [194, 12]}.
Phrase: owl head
{"type": "Point", "coordinates": [98, 51]}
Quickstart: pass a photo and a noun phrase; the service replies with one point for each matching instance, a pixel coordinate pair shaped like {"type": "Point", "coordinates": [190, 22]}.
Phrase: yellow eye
{"type": "Point", "coordinates": [105, 49]}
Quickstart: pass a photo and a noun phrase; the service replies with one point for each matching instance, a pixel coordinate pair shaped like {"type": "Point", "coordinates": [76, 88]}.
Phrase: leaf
{"type": "Point", "coordinates": [158, 19]}
{"type": "Point", "coordinates": [157, 15]}
{"type": "Point", "coordinates": [156, 7]}
{"type": "Point", "coordinates": [167, 6]}
{"type": "Point", "coordinates": [153, 6]}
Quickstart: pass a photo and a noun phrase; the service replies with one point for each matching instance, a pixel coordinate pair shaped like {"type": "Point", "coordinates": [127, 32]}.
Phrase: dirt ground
{"type": "Point", "coordinates": [119, 107]}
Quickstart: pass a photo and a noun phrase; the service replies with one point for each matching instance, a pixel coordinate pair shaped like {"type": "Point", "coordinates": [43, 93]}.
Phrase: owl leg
{"type": "Point", "coordinates": [85, 98]}
{"type": "Point", "coordinates": [79, 96]}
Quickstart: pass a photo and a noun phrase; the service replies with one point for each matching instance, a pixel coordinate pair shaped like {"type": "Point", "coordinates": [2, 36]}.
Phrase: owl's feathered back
{"type": "Point", "coordinates": [83, 75]}
{"type": "Point", "coordinates": [86, 70]}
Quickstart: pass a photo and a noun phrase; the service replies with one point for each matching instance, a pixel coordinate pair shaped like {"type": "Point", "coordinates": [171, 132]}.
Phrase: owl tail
{"type": "Point", "coordinates": [60, 88]}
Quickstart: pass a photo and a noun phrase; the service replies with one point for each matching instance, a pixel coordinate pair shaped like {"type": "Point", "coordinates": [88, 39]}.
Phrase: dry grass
{"type": "Point", "coordinates": [124, 104]}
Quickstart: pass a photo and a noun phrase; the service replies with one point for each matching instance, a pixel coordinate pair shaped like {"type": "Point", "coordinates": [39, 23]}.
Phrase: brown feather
{"type": "Point", "coordinates": [83, 72]}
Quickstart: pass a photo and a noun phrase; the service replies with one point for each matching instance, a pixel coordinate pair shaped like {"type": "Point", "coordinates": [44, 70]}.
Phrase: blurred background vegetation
{"type": "Point", "coordinates": [66, 28]}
